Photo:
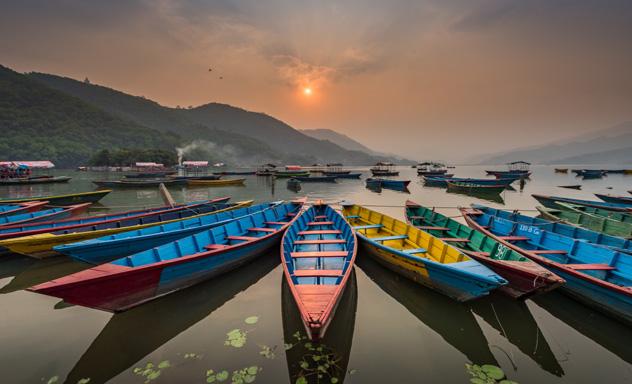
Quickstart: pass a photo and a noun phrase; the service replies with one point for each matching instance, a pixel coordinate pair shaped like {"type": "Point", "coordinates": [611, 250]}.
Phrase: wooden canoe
{"type": "Point", "coordinates": [596, 275]}
{"type": "Point", "coordinates": [586, 217]}
{"type": "Point", "coordinates": [144, 276]}
{"type": "Point", "coordinates": [14, 209]}
{"type": "Point", "coordinates": [615, 199]}
{"type": "Point", "coordinates": [389, 183]}
{"type": "Point", "coordinates": [475, 188]}
{"type": "Point", "coordinates": [526, 278]}
{"type": "Point", "coordinates": [36, 180]}
{"type": "Point", "coordinates": [561, 170]}
{"type": "Point", "coordinates": [215, 183]}
{"type": "Point", "coordinates": [42, 215]}
{"type": "Point", "coordinates": [421, 257]}
{"type": "Point", "coordinates": [67, 199]}
{"type": "Point", "coordinates": [111, 247]}
{"type": "Point", "coordinates": [443, 181]}
{"type": "Point", "coordinates": [138, 183]}
{"type": "Point", "coordinates": [551, 202]}
{"type": "Point", "coordinates": [38, 239]}
{"type": "Point", "coordinates": [318, 253]}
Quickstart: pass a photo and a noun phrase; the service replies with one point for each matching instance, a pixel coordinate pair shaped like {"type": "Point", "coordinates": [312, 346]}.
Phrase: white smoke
{"type": "Point", "coordinates": [209, 149]}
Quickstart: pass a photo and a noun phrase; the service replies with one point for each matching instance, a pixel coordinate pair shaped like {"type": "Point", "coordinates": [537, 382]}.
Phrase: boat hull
{"type": "Point", "coordinates": [69, 199]}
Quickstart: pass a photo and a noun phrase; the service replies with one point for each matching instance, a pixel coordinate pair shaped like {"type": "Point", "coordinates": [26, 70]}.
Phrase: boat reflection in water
{"type": "Point", "coordinates": [129, 336]}
{"type": "Point", "coordinates": [514, 321]}
{"type": "Point", "coordinates": [603, 330]}
{"type": "Point", "coordinates": [335, 346]}
{"type": "Point", "coordinates": [493, 197]}
{"type": "Point", "coordinates": [452, 320]}
{"type": "Point", "coordinates": [41, 271]}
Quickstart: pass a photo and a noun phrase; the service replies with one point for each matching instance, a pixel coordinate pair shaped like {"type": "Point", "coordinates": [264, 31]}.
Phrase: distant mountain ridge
{"type": "Point", "coordinates": [583, 148]}
{"type": "Point", "coordinates": [255, 137]}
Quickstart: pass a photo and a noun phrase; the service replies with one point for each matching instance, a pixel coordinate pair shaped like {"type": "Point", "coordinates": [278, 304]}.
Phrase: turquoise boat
{"type": "Point", "coordinates": [107, 248]}
{"type": "Point", "coordinates": [551, 202]}
{"type": "Point", "coordinates": [596, 275]}
{"type": "Point", "coordinates": [40, 216]}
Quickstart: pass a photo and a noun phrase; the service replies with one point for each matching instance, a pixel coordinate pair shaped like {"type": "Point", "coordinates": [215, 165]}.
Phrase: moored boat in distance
{"type": "Point", "coordinates": [138, 183]}
{"type": "Point", "coordinates": [551, 202]}
{"type": "Point", "coordinates": [215, 183]}
{"type": "Point", "coordinates": [525, 277]}
{"type": "Point", "coordinates": [443, 181]}
{"type": "Point", "coordinates": [384, 169]}
{"type": "Point", "coordinates": [419, 256]}
{"type": "Point", "coordinates": [431, 168]}
{"type": "Point", "coordinates": [35, 180]}
{"type": "Point", "coordinates": [475, 188]}
{"type": "Point", "coordinates": [318, 254]}
{"type": "Point", "coordinates": [388, 183]}
{"type": "Point", "coordinates": [347, 175]}
{"type": "Point", "coordinates": [575, 186]}
{"type": "Point", "coordinates": [130, 281]}
{"type": "Point", "coordinates": [149, 175]}
{"type": "Point", "coordinates": [60, 200]}
{"type": "Point", "coordinates": [615, 199]}
{"type": "Point", "coordinates": [561, 170]}
{"type": "Point", "coordinates": [316, 179]}
{"type": "Point", "coordinates": [599, 276]}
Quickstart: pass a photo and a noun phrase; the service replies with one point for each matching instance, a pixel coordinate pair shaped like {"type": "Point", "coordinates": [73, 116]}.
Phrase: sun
{"type": "Point", "coordinates": [307, 91]}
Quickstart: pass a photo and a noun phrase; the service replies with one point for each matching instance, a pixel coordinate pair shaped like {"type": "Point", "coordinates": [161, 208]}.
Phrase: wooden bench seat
{"type": "Point", "coordinates": [319, 254]}
{"type": "Point", "coordinates": [513, 238]}
{"type": "Point", "coordinates": [327, 241]}
{"type": "Point", "coordinates": [415, 250]}
{"type": "Point", "coordinates": [269, 230]}
{"type": "Point", "coordinates": [370, 226]}
{"type": "Point", "coordinates": [549, 252]}
{"type": "Point", "coordinates": [588, 267]}
{"type": "Point", "coordinates": [274, 222]}
{"type": "Point", "coordinates": [320, 217]}
{"type": "Point", "coordinates": [455, 239]}
{"type": "Point", "coordinates": [431, 228]}
{"type": "Point", "coordinates": [317, 272]}
{"type": "Point", "coordinates": [387, 238]}
{"type": "Point", "coordinates": [244, 238]}
{"type": "Point", "coordinates": [321, 232]}
{"type": "Point", "coordinates": [214, 247]}
{"type": "Point", "coordinates": [353, 217]}
{"type": "Point", "coordinates": [320, 223]}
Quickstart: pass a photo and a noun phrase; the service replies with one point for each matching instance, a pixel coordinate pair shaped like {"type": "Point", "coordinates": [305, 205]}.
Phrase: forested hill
{"type": "Point", "coordinates": [218, 124]}
{"type": "Point", "coordinates": [38, 122]}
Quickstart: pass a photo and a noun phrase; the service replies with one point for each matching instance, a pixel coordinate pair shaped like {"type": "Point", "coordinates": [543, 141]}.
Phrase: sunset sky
{"type": "Point", "coordinates": [417, 78]}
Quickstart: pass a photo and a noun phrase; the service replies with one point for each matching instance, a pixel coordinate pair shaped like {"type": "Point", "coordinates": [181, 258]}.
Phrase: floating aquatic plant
{"type": "Point", "coordinates": [267, 352]}
{"type": "Point", "coordinates": [241, 376]}
{"type": "Point", "coordinates": [251, 320]}
{"type": "Point", "coordinates": [318, 362]}
{"type": "Point", "coordinates": [53, 380]}
{"type": "Point", "coordinates": [150, 371]}
{"type": "Point", "coordinates": [487, 374]}
{"type": "Point", "coordinates": [236, 338]}
{"type": "Point", "coordinates": [192, 356]}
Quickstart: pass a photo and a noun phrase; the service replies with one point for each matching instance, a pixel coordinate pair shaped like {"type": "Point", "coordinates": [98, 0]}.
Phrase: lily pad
{"type": "Point", "coordinates": [84, 381]}
{"type": "Point", "coordinates": [493, 371]}
{"type": "Point", "coordinates": [252, 320]}
{"type": "Point", "coordinates": [164, 364]}
{"type": "Point", "coordinates": [301, 380]}
{"type": "Point", "coordinates": [507, 382]}
{"type": "Point", "coordinates": [476, 380]}
{"type": "Point", "coordinates": [221, 376]}
{"type": "Point", "coordinates": [53, 380]}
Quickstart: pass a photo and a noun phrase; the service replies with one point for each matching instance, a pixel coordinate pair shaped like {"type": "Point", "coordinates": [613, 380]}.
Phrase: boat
{"type": "Point", "coordinates": [36, 180]}
{"type": "Point", "coordinates": [14, 209]}
{"type": "Point", "coordinates": [596, 275]}
{"type": "Point", "coordinates": [149, 175]}
{"type": "Point", "coordinates": [107, 248]}
{"type": "Point", "coordinates": [384, 169]}
{"type": "Point", "coordinates": [346, 175]}
{"type": "Point", "coordinates": [519, 169]}
{"type": "Point", "coordinates": [525, 277]}
{"type": "Point", "coordinates": [419, 256]}
{"type": "Point", "coordinates": [588, 218]}
{"type": "Point", "coordinates": [266, 170]}
{"type": "Point", "coordinates": [318, 253]}
{"type": "Point", "coordinates": [551, 202]}
{"type": "Point", "coordinates": [196, 177]}
{"type": "Point", "coordinates": [561, 170]}
{"type": "Point", "coordinates": [574, 186]}
{"type": "Point", "coordinates": [138, 183]}
{"type": "Point", "coordinates": [443, 181]}
{"type": "Point", "coordinates": [315, 179]}
{"type": "Point", "coordinates": [216, 183]}
{"type": "Point", "coordinates": [592, 174]}
{"type": "Point", "coordinates": [290, 174]}
{"type": "Point", "coordinates": [431, 169]}
{"type": "Point", "coordinates": [60, 200]}
{"type": "Point", "coordinates": [388, 183]}
{"type": "Point", "coordinates": [510, 174]}
{"type": "Point", "coordinates": [615, 199]}
{"type": "Point", "coordinates": [42, 215]}
{"type": "Point", "coordinates": [130, 281]}
{"type": "Point", "coordinates": [466, 187]}
{"type": "Point", "coordinates": [294, 184]}
{"type": "Point", "coordinates": [235, 173]}
{"type": "Point", "coordinates": [38, 239]}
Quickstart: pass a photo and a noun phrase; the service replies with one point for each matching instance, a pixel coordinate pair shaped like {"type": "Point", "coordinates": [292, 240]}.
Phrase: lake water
{"type": "Point", "coordinates": [387, 329]}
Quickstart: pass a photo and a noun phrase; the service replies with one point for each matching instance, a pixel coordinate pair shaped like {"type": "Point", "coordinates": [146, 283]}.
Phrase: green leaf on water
{"type": "Point", "coordinates": [304, 364]}
{"type": "Point", "coordinates": [301, 380]}
{"type": "Point", "coordinates": [210, 379]}
{"type": "Point", "coordinates": [507, 382]}
{"type": "Point", "coordinates": [334, 380]}
{"type": "Point", "coordinates": [493, 371]}
{"type": "Point", "coordinates": [288, 346]}
{"type": "Point", "coordinates": [476, 380]}
{"type": "Point", "coordinates": [84, 381]}
{"type": "Point", "coordinates": [53, 380]}
{"type": "Point", "coordinates": [138, 370]}
{"type": "Point", "coordinates": [253, 370]}
{"type": "Point", "coordinates": [153, 375]}
{"type": "Point", "coordinates": [249, 378]}
{"type": "Point", "coordinates": [251, 320]}
{"type": "Point", "coordinates": [164, 364]}
{"type": "Point", "coordinates": [221, 376]}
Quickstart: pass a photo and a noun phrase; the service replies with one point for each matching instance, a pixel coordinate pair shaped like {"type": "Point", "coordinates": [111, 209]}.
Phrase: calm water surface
{"type": "Point", "coordinates": [387, 329]}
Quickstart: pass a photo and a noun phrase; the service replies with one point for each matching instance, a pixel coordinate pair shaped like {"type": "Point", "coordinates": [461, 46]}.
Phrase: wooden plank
{"type": "Point", "coordinates": [321, 232]}
{"type": "Point", "coordinates": [549, 252]}
{"type": "Point", "coordinates": [262, 229]}
{"type": "Point", "coordinates": [371, 226]}
{"type": "Point", "coordinates": [455, 239]}
{"type": "Point", "coordinates": [317, 272]}
{"type": "Point", "coordinates": [319, 254]}
{"type": "Point", "coordinates": [320, 223]}
{"type": "Point", "coordinates": [328, 241]}
{"type": "Point", "coordinates": [246, 238]}
{"type": "Point", "coordinates": [353, 217]}
{"type": "Point", "coordinates": [320, 217]}
{"type": "Point", "coordinates": [513, 238]}
{"type": "Point", "coordinates": [387, 238]}
{"type": "Point", "coordinates": [431, 228]}
{"type": "Point", "coordinates": [415, 250]}
{"type": "Point", "coordinates": [275, 222]}
{"type": "Point", "coordinates": [213, 247]}
{"type": "Point", "coordinates": [587, 267]}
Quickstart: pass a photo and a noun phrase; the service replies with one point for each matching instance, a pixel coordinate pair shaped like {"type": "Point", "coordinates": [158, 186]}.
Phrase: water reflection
{"type": "Point", "coordinates": [514, 321]}
{"type": "Point", "coordinates": [336, 344]}
{"type": "Point", "coordinates": [452, 320]}
{"type": "Point", "coordinates": [607, 332]}
{"type": "Point", "coordinates": [493, 197]}
{"type": "Point", "coordinates": [127, 338]}
{"type": "Point", "coordinates": [13, 264]}
{"type": "Point", "coordinates": [41, 271]}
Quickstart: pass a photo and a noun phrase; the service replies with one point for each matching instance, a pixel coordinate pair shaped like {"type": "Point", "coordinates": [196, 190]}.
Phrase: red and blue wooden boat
{"type": "Point", "coordinates": [345, 175]}
{"type": "Point", "coordinates": [550, 202]}
{"type": "Point", "coordinates": [443, 181]}
{"type": "Point", "coordinates": [526, 278]}
{"type": "Point", "coordinates": [388, 183]}
{"type": "Point", "coordinates": [510, 174]}
{"type": "Point", "coordinates": [318, 253]}
{"type": "Point", "coordinates": [43, 215]}
{"type": "Point", "coordinates": [144, 276]}
{"type": "Point", "coordinates": [14, 209]}
{"type": "Point", "coordinates": [624, 200]}
{"type": "Point", "coordinates": [115, 220]}
{"type": "Point", "coordinates": [111, 247]}
{"type": "Point", "coordinates": [60, 200]}
{"type": "Point", "coordinates": [598, 276]}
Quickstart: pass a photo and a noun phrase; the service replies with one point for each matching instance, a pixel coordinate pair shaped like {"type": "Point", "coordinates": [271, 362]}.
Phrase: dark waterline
{"type": "Point", "coordinates": [387, 330]}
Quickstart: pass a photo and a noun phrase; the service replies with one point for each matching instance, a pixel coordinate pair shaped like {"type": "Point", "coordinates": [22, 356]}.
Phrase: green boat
{"type": "Point", "coordinates": [290, 174]}
{"type": "Point", "coordinates": [587, 217]}
{"type": "Point", "coordinates": [61, 200]}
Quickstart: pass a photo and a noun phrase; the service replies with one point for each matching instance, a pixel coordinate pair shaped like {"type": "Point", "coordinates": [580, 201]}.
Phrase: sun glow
{"type": "Point", "coordinates": [307, 91]}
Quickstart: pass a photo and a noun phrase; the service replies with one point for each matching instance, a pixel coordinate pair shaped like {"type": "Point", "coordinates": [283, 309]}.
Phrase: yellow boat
{"type": "Point", "coordinates": [419, 256]}
{"type": "Point", "coordinates": [41, 245]}
{"type": "Point", "coordinates": [628, 171]}
{"type": "Point", "coordinates": [216, 183]}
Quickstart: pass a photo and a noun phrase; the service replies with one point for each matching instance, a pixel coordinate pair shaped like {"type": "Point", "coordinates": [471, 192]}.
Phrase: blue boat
{"type": "Point", "coordinates": [40, 216]}
{"type": "Point", "coordinates": [598, 276]}
{"type": "Point", "coordinates": [345, 175]}
{"type": "Point", "coordinates": [388, 183]}
{"type": "Point", "coordinates": [130, 281]}
{"type": "Point", "coordinates": [594, 237]}
{"type": "Point", "coordinates": [420, 256]}
{"type": "Point", "coordinates": [550, 202]}
{"type": "Point", "coordinates": [316, 179]}
{"type": "Point", "coordinates": [318, 252]}
{"type": "Point", "coordinates": [443, 181]}
{"type": "Point", "coordinates": [107, 248]}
